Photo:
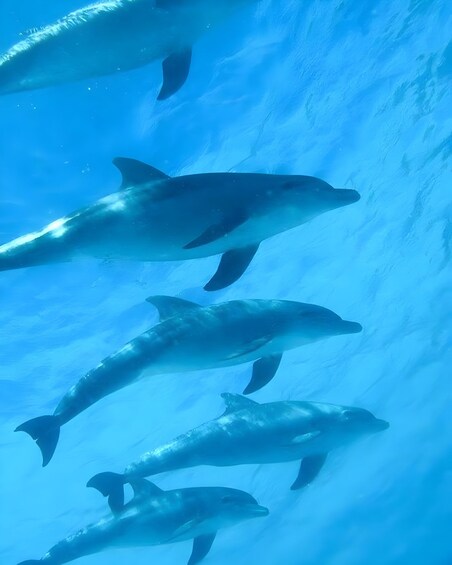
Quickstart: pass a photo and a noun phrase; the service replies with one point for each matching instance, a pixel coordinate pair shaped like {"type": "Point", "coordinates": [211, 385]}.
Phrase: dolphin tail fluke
{"type": "Point", "coordinates": [111, 485]}
{"type": "Point", "coordinates": [46, 431]}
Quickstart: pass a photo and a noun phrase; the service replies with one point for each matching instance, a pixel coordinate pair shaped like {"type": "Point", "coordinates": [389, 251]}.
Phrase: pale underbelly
{"type": "Point", "coordinates": [169, 243]}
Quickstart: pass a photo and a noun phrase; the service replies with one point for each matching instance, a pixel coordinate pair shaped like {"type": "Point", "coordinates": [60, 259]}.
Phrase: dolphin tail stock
{"type": "Point", "coordinates": [110, 485]}
{"type": "Point", "coordinates": [45, 430]}
{"type": "Point", "coordinates": [34, 249]}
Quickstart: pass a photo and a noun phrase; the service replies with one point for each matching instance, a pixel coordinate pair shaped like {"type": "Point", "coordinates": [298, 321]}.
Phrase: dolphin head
{"type": "Point", "coordinates": [311, 322]}
{"type": "Point", "coordinates": [340, 425]}
{"type": "Point", "coordinates": [358, 422]}
{"type": "Point", "coordinates": [307, 197]}
{"type": "Point", "coordinates": [230, 506]}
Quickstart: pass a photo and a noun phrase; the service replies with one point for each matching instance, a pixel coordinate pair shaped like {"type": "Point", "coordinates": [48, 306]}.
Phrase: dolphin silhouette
{"type": "Point", "coordinates": [158, 218]}
{"type": "Point", "coordinates": [156, 517]}
{"type": "Point", "coordinates": [114, 36]}
{"type": "Point", "coordinates": [190, 337]}
{"type": "Point", "coordinates": [249, 432]}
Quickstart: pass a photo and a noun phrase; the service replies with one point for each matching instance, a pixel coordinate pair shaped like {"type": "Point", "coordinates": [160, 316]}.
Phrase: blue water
{"type": "Point", "coordinates": [357, 93]}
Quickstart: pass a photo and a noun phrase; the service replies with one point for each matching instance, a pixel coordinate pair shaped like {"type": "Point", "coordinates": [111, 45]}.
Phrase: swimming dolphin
{"type": "Point", "coordinates": [158, 218]}
{"type": "Point", "coordinates": [113, 36]}
{"type": "Point", "coordinates": [249, 432]}
{"type": "Point", "coordinates": [190, 337]}
{"type": "Point", "coordinates": [156, 517]}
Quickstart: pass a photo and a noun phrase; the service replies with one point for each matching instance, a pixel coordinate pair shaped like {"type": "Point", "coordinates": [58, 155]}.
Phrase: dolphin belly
{"type": "Point", "coordinates": [155, 223]}
{"type": "Point", "coordinates": [206, 340]}
{"type": "Point", "coordinates": [131, 529]}
{"type": "Point", "coordinates": [157, 351]}
{"type": "Point", "coordinates": [250, 436]}
{"type": "Point", "coordinates": [126, 225]}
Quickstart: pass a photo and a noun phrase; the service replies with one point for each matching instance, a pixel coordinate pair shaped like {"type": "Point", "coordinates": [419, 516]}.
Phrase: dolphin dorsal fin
{"type": "Point", "coordinates": [142, 488]}
{"type": "Point", "coordinates": [236, 402]}
{"type": "Point", "coordinates": [135, 172]}
{"type": "Point", "coordinates": [168, 306]}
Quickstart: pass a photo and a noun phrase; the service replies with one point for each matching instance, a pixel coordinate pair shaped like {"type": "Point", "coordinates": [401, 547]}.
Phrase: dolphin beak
{"type": "Point", "coordinates": [351, 327]}
{"type": "Point", "coordinates": [258, 511]}
{"type": "Point", "coordinates": [381, 425]}
{"type": "Point", "coordinates": [346, 196]}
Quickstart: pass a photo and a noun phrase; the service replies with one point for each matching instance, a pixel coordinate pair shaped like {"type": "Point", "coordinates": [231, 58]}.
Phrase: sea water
{"type": "Point", "coordinates": [354, 92]}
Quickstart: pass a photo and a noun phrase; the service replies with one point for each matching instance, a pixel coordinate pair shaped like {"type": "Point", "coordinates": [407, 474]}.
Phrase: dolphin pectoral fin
{"type": "Point", "coordinates": [236, 402]}
{"type": "Point", "coordinates": [169, 306]}
{"type": "Point", "coordinates": [135, 172]}
{"type": "Point", "coordinates": [217, 231]}
{"type": "Point", "coordinates": [175, 72]}
{"type": "Point", "coordinates": [250, 347]}
{"type": "Point", "coordinates": [111, 485]}
{"type": "Point", "coordinates": [263, 371]}
{"type": "Point", "coordinates": [46, 431]}
{"type": "Point", "coordinates": [184, 528]}
{"type": "Point", "coordinates": [232, 266]}
{"type": "Point", "coordinates": [309, 469]}
{"type": "Point", "coordinates": [201, 547]}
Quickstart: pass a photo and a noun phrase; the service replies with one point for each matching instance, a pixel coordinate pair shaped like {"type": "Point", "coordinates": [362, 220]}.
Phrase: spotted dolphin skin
{"type": "Point", "coordinates": [158, 218]}
{"type": "Point", "coordinates": [156, 517]}
{"type": "Point", "coordinates": [113, 36]}
{"type": "Point", "coordinates": [249, 433]}
{"type": "Point", "coordinates": [190, 337]}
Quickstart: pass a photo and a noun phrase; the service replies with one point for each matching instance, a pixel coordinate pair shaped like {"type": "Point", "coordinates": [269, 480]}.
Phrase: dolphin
{"type": "Point", "coordinates": [254, 433]}
{"type": "Point", "coordinates": [156, 517]}
{"type": "Point", "coordinates": [113, 36]}
{"type": "Point", "coordinates": [157, 218]}
{"type": "Point", "coordinates": [190, 337]}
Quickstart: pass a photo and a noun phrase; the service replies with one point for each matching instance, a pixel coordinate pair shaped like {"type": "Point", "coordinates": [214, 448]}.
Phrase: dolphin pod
{"type": "Point", "coordinates": [249, 432]}
{"type": "Point", "coordinates": [156, 517]}
{"type": "Point", "coordinates": [113, 36]}
{"type": "Point", "coordinates": [190, 337]}
{"type": "Point", "coordinates": [155, 217]}
{"type": "Point", "coordinates": [158, 218]}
